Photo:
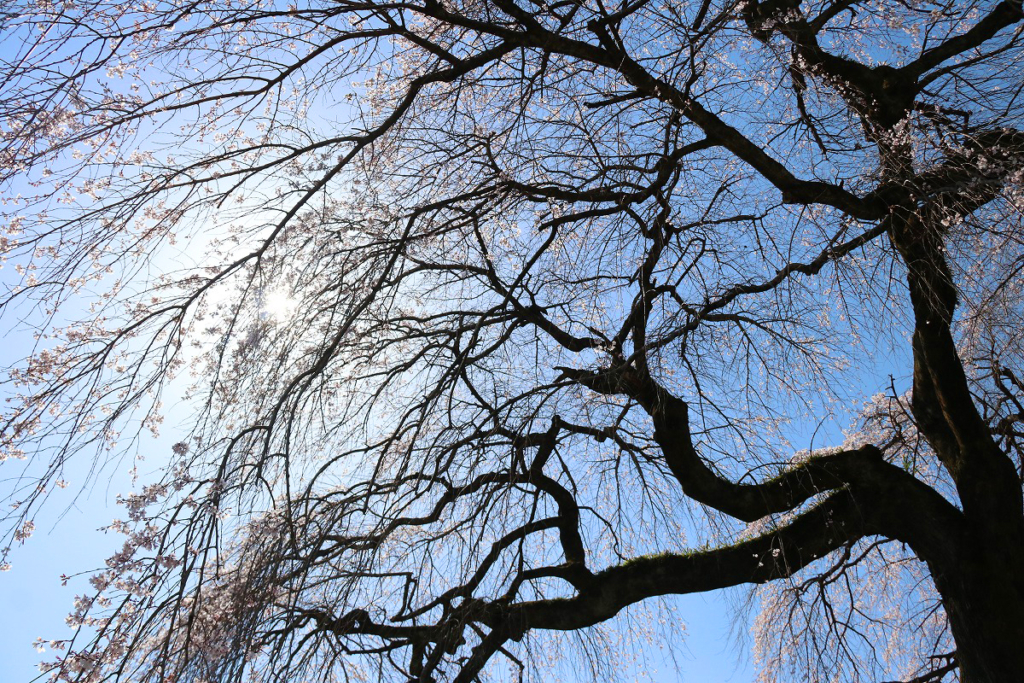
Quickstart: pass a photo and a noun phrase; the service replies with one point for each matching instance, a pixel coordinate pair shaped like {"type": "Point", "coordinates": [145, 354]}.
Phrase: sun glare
{"type": "Point", "coordinates": [279, 306]}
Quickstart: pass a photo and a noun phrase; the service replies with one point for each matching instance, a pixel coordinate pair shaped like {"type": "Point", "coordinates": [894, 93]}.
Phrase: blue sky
{"type": "Point", "coordinates": [68, 540]}
{"type": "Point", "coordinates": [35, 603]}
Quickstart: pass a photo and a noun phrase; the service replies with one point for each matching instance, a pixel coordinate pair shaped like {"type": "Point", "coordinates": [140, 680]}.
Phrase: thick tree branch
{"type": "Point", "coordinates": [862, 470]}
{"type": "Point", "coordinates": [1006, 13]}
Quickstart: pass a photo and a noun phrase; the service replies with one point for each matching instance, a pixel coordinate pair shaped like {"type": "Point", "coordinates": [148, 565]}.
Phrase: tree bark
{"type": "Point", "coordinates": [984, 599]}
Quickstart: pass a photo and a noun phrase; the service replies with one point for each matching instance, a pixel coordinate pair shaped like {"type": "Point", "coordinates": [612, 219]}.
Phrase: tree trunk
{"type": "Point", "coordinates": [984, 598]}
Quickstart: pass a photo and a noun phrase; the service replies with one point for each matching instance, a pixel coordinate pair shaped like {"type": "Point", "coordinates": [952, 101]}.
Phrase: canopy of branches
{"type": "Point", "coordinates": [494, 318]}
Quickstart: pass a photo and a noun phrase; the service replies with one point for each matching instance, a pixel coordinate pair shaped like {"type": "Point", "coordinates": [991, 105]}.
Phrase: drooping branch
{"type": "Point", "coordinates": [837, 521]}
{"type": "Point", "coordinates": [862, 470]}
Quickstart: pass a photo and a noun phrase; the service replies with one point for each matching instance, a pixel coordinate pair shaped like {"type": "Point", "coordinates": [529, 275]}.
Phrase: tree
{"type": "Point", "coordinates": [499, 318]}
